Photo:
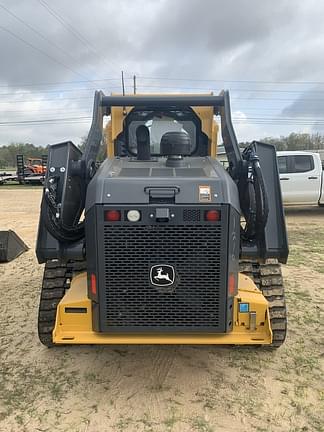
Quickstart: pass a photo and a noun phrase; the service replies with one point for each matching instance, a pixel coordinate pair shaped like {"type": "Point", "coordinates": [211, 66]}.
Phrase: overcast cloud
{"type": "Point", "coordinates": [268, 54]}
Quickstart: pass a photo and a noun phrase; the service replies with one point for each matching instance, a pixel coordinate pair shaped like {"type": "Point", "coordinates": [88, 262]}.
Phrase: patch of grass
{"type": "Point", "coordinates": [170, 421]}
{"type": "Point", "coordinates": [148, 424]}
{"type": "Point", "coordinates": [199, 424]}
{"type": "Point", "coordinates": [173, 401]}
{"type": "Point", "coordinates": [208, 398]}
{"type": "Point", "coordinates": [306, 247]}
{"type": "Point", "coordinates": [93, 378]}
{"type": "Point", "coordinates": [299, 294]}
{"type": "Point", "coordinates": [19, 419]}
{"type": "Point", "coordinates": [123, 423]}
{"type": "Point", "coordinates": [158, 387]}
{"type": "Point", "coordinates": [56, 389]}
{"type": "Point", "coordinates": [21, 386]}
{"type": "Point", "coordinates": [300, 390]}
{"type": "Point", "coordinates": [90, 376]}
{"type": "Point", "coordinates": [300, 361]}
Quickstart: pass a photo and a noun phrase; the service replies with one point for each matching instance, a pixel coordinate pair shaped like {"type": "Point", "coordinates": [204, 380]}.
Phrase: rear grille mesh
{"type": "Point", "coordinates": [191, 215]}
{"type": "Point", "coordinates": [132, 302]}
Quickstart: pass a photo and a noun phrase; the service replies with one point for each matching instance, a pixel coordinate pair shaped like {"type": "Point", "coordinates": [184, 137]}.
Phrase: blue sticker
{"type": "Point", "coordinates": [244, 307]}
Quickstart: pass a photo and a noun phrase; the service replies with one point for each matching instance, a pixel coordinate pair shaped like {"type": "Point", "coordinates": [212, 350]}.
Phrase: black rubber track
{"type": "Point", "coordinates": [56, 280]}
{"type": "Point", "coordinates": [268, 278]}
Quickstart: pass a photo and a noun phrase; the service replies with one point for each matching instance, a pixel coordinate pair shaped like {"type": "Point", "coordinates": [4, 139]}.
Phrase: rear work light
{"type": "Point", "coordinates": [133, 215]}
{"type": "Point", "coordinates": [212, 215]}
{"type": "Point", "coordinates": [112, 215]}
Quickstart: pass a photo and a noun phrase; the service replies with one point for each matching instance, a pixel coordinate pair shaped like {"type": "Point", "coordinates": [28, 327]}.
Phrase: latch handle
{"type": "Point", "coordinates": [161, 191]}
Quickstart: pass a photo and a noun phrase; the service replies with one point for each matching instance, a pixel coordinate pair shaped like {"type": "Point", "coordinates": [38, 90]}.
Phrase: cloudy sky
{"type": "Point", "coordinates": [54, 54]}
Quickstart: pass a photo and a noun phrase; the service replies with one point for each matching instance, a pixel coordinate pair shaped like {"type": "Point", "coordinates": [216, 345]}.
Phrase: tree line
{"type": "Point", "coordinates": [9, 152]}
{"type": "Point", "coordinates": [294, 141]}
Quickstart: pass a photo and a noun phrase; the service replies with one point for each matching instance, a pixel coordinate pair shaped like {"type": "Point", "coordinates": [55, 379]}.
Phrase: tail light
{"type": "Point", "coordinates": [212, 215]}
{"type": "Point", "coordinates": [93, 284]}
{"type": "Point", "coordinates": [112, 215]}
{"type": "Point", "coordinates": [231, 284]}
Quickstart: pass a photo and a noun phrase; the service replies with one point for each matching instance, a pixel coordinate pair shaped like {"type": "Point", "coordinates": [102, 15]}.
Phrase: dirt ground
{"type": "Point", "coordinates": [160, 388]}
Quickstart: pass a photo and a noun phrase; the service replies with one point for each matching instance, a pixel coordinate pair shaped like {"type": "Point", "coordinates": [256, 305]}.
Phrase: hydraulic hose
{"type": "Point", "coordinates": [51, 215]}
{"type": "Point", "coordinates": [253, 195]}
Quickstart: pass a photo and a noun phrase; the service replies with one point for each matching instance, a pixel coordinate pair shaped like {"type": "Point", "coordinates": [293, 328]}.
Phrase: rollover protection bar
{"type": "Point", "coordinates": [162, 101]}
{"type": "Point", "coordinates": [221, 105]}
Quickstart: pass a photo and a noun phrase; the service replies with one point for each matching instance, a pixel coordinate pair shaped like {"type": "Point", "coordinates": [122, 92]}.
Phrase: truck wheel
{"type": "Point", "coordinates": [268, 278]}
{"type": "Point", "coordinates": [56, 280]}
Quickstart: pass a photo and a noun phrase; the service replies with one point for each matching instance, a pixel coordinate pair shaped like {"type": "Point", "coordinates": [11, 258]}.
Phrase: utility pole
{"type": "Point", "coordinates": [134, 83]}
{"type": "Point", "coordinates": [123, 82]}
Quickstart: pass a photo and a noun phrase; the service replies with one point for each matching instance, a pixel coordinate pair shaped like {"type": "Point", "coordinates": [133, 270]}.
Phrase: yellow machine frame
{"type": "Point", "coordinates": [74, 321]}
{"type": "Point", "coordinates": [116, 124]}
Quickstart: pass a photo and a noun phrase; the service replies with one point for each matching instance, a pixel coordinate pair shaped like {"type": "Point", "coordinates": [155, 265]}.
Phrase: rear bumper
{"type": "Point", "coordinates": [74, 322]}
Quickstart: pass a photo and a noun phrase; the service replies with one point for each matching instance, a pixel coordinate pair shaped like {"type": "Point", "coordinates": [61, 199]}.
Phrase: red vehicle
{"type": "Point", "coordinates": [34, 166]}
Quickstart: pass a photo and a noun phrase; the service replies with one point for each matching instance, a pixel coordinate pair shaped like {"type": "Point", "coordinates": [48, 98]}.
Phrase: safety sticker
{"type": "Point", "coordinates": [204, 194]}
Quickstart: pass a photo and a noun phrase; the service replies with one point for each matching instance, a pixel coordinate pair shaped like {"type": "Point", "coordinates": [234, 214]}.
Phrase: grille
{"type": "Point", "coordinates": [132, 302]}
{"type": "Point", "coordinates": [191, 215]}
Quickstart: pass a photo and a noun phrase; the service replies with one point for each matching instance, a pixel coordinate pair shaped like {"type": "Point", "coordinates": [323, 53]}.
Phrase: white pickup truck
{"type": "Point", "coordinates": [301, 177]}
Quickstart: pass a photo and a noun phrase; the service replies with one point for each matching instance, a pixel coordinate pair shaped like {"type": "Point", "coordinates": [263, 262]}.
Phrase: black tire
{"type": "Point", "coordinates": [268, 278]}
{"type": "Point", "coordinates": [56, 280]}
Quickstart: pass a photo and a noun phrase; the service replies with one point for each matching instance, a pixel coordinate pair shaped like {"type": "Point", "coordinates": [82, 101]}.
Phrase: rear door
{"type": "Point", "coordinates": [299, 178]}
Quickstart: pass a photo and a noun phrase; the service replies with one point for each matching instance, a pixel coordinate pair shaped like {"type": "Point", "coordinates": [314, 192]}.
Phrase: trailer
{"type": "Point", "coordinates": [7, 178]}
{"type": "Point", "coordinates": [24, 174]}
{"type": "Point", "coordinates": [27, 176]}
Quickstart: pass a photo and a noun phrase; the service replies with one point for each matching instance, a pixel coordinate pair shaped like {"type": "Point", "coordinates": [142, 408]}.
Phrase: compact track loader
{"type": "Point", "coordinates": [162, 244]}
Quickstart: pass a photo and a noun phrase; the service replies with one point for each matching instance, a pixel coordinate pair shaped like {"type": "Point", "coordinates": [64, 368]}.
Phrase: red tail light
{"type": "Point", "coordinates": [231, 284]}
{"type": "Point", "coordinates": [93, 284]}
{"type": "Point", "coordinates": [112, 215]}
{"type": "Point", "coordinates": [212, 215]}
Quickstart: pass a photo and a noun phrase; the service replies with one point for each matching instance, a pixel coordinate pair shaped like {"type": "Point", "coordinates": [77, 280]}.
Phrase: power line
{"type": "Point", "coordinates": [46, 100]}
{"type": "Point", "coordinates": [62, 83]}
{"type": "Point", "coordinates": [248, 120]}
{"type": "Point", "coordinates": [265, 121]}
{"type": "Point", "coordinates": [147, 86]}
{"type": "Point", "coordinates": [55, 91]}
{"type": "Point", "coordinates": [277, 99]}
{"type": "Point", "coordinates": [46, 121]}
{"type": "Point", "coordinates": [40, 35]}
{"type": "Point", "coordinates": [231, 81]}
{"type": "Point", "coordinates": [39, 50]}
{"type": "Point", "coordinates": [130, 78]}
{"type": "Point", "coordinates": [71, 29]}
{"type": "Point", "coordinates": [53, 110]}
{"type": "Point", "coordinates": [248, 99]}
{"type": "Point", "coordinates": [233, 98]}
{"type": "Point", "coordinates": [64, 23]}
{"type": "Point", "coordinates": [250, 90]}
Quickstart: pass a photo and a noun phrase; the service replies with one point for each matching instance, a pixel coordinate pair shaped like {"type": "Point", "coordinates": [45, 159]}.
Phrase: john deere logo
{"type": "Point", "coordinates": [162, 275]}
